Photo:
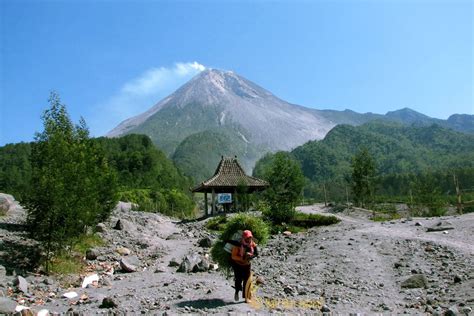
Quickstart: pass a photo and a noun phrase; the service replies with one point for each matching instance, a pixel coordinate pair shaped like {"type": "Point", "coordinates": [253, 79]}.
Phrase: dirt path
{"type": "Point", "coordinates": [355, 266]}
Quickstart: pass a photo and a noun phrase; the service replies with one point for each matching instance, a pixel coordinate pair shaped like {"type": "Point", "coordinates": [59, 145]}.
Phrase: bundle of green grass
{"type": "Point", "coordinates": [236, 224]}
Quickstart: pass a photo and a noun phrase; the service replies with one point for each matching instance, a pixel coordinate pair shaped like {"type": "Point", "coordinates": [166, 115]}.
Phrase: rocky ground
{"type": "Point", "coordinates": [153, 264]}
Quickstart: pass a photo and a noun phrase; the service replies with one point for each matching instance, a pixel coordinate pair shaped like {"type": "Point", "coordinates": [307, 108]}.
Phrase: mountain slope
{"type": "Point", "coordinates": [215, 99]}
{"type": "Point", "coordinates": [250, 117]}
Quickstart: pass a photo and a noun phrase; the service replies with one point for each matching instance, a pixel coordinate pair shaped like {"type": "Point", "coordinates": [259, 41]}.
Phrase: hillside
{"type": "Point", "coordinates": [395, 148]}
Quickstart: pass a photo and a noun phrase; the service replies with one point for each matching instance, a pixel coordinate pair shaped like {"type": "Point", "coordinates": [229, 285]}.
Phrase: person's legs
{"type": "Point", "coordinates": [238, 278]}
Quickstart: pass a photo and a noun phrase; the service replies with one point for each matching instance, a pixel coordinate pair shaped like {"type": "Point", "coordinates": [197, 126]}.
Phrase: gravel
{"type": "Point", "coordinates": [355, 266]}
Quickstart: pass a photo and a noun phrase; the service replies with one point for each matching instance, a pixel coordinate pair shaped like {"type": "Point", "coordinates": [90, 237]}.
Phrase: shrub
{"type": "Point", "coordinates": [311, 220]}
{"type": "Point", "coordinates": [168, 202]}
{"type": "Point", "coordinates": [217, 223]}
{"type": "Point", "coordinates": [239, 222]}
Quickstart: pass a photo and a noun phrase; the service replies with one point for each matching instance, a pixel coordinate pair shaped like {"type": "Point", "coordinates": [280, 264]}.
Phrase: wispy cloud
{"type": "Point", "coordinates": [141, 93]}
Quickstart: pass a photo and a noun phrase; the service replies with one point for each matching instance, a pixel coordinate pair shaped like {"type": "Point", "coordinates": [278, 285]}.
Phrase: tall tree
{"type": "Point", "coordinates": [363, 173]}
{"type": "Point", "coordinates": [286, 184]}
{"type": "Point", "coordinates": [73, 185]}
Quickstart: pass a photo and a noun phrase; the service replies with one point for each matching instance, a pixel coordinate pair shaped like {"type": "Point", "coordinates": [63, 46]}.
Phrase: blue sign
{"type": "Point", "coordinates": [223, 198]}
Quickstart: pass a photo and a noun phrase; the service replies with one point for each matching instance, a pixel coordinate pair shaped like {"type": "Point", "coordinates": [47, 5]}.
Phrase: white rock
{"type": "Point", "coordinates": [19, 308]}
{"type": "Point", "coordinates": [90, 280]}
{"type": "Point", "coordinates": [43, 312]}
{"type": "Point", "coordinates": [70, 295]}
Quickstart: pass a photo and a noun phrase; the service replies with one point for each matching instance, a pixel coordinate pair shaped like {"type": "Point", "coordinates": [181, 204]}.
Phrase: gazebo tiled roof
{"type": "Point", "coordinates": [230, 175]}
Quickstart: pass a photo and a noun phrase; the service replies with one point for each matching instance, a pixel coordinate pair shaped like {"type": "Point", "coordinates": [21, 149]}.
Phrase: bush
{"type": "Point", "coordinates": [217, 223]}
{"type": "Point", "coordinates": [168, 202]}
{"type": "Point", "coordinates": [239, 222]}
{"type": "Point", "coordinates": [311, 220]}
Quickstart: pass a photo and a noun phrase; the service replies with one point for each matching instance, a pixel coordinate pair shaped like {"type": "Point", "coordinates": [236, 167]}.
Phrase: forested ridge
{"type": "Point", "coordinates": [144, 174]}
{"type": "Point", "coordinates": [402, 154]}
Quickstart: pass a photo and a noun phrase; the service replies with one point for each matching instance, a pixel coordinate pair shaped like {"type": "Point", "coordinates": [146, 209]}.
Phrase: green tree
{"type": "Point", "coordinates": [73, 184]}
{"type": "Point", "coordinates": [286, 184]}
{"type": "Point", "coordinates": [427, 197]}
{"type": "Point", "coordinates": [363, 173]}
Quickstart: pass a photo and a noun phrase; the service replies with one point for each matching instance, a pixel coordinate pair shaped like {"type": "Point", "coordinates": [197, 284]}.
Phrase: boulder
{"type": "Point", "coordinates": [202, 266]}
{"type": "Point", "coordinates": [7, 306]}
{"type": "Point", "coordinates": [7, 202]}
{"type": "Point", "coordinates": [21, 284]}
{"type": "Point", "coordinates": [119, 225]}
{"type": "Point", "coordinates": [188, 263]}
{"type": "Point", "coordinates": [3, 274]}
{"type": "Point", "coordinates": [129, 264]}
{"type": "Point", "coordinates": [205, 242]}
{"type": "Point", "coordinates": [92, 254]}
{"type": "Point", "coordinates": [101, 228]}
{"type": "Point", "coordinates": [108, 302]}
{"type": "Point", "coordinates": [123, 251]}
{"type": "Point", "coordinates": [440, 226]}
{"type": "Point", "coordinates": [173, 263]}
{"type": "Point", "coordinates": [415, 281]}
{"type": "Point", "coordinates": [92, 279]}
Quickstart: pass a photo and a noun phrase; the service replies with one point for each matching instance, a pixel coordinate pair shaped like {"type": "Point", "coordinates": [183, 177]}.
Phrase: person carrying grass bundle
{"type": "Point", "coordinates": [242, 253]}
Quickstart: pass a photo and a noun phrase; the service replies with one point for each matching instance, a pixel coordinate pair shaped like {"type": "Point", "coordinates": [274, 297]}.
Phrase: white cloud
{"type": "Point", "coordinates": [141, 93]}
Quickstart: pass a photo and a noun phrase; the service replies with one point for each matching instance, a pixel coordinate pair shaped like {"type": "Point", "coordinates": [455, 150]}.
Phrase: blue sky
{"type": "Point", "coordinates": [110, 60]}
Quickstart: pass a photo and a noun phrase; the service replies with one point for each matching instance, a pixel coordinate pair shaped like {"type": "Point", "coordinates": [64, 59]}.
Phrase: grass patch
{"type": "Point", "coordinates": [86, 242]}
{"type": "Point", "coordinates": [71, 262]}
{"type": "Point", "coordinates": [383, 217]}
{"type": "Point", "coordinates": [66, 263]}
{"type": "Point", "coordinates": [278, 229]}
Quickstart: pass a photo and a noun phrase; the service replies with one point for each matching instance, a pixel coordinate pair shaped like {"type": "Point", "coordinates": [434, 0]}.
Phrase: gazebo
{"type": "Point", "coordinates": [228, 178]}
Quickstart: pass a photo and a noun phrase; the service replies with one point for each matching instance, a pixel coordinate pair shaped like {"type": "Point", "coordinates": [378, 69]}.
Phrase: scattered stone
{"type": "Point", "coordinates": [90, 279]}
{"type": "Point", "coordinates": [43, 312]}
{"type": "Point", "coordinates": [92, 254]}
{"type": "Point", "coordinates": [287, 233]}
{"type": "Point", "coordinates": [7, 306]}
{"type": "Point", "coordinates": [457, 278]}
{"type": "Point", "coordinates": [440, 226]}
{"type": "Point", "coordinates": [118, 225]}
{"type": "Point", "coordinates": [202, 266]}
{"type": "Point", "coordinates": [123, 251]}
{"type": "Point", "coordinates": [70, 295]}
{"type": "Point", "coordinates": [173, 263]}
{"type": "Point", "coordinates": [415, 281]}
{"type": "Point", "coordinates": [189, 262]}
{"type": "Point", "coordinates": [205, 242]}
{"type": "Point", "coordinates": [325, 309]}
{"type": "Point", "coordinates": [129, 264]}
{"type": "Point", "coordinates": [6, 203]}
{"type": "Point", "coordinates": [3, 274]}
{"type": "Point", "coordinates": [108, 302]}
{"type": "Point", "coordinates": [452, 311]}
{"type": "Point", "coordinates": [21, 283]}
{"type": "Point", "coordinates": [418, 224]}
{"type": "Point", "coordinates": [100, 228]}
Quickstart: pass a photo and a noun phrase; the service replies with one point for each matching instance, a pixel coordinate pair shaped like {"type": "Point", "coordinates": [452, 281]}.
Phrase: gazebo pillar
{"type": "Point", "coordinates": [206, 211]}
{"type": "Point", "coordinates": [213, 201]}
